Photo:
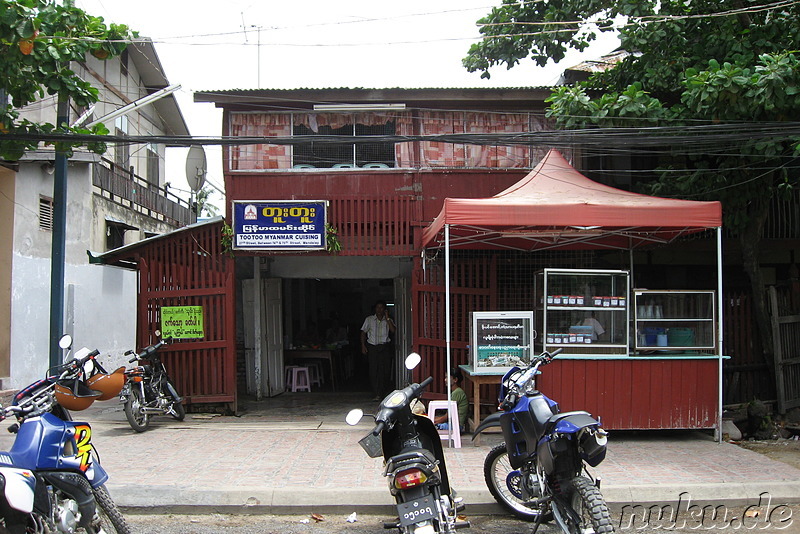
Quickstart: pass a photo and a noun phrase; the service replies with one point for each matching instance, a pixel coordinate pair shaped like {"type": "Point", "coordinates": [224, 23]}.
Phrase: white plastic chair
{"type": "Point", "coordinates": [452, 413]}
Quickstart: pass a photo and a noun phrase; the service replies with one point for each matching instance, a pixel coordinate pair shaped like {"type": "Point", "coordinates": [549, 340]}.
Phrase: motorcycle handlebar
{"type": "Point", "coordinates": [425, 382]}
{"type": "Point", "coordinates": [73, 368]}
{"type": "Point", "coordinates": [147, 351]}
{"type": "Point", "coordinates": [378, 428]}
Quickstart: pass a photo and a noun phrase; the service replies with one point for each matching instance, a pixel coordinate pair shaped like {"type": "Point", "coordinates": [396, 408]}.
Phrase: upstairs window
{"type": "Point", "coordinates": [153, 165]}
{"type": "Point", "coordinates": [122, 151]}
{"type": "Point", "coordinates": [377, 154]}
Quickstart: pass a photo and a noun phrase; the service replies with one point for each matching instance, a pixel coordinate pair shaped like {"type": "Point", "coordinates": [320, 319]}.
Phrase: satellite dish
{"type": "Point", "coordinates": [196, 168]}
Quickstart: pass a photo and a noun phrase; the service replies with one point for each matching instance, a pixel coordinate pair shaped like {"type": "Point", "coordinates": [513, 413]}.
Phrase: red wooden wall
{"type": "Point", "coordinates": [637, 392]}
{"type": "Point", "coordinates": [375, 213]}
{"type": "Point", "coordinates": [190, 269]}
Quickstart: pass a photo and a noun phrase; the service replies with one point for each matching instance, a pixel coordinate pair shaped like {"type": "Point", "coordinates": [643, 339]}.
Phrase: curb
{"type": "Point", "coordinates": [378, 501]}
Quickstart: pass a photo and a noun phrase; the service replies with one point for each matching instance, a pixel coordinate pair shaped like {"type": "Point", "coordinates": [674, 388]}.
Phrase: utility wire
{"type": "Point", "coordinates": [652, 137]}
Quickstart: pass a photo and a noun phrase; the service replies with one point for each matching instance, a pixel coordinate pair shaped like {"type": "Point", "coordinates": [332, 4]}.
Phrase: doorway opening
{"type": "Point", "coordinates": [326, 315]}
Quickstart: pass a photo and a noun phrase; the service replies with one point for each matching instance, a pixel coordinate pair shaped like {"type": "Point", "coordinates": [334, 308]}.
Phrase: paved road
{"type": "Point", "coordinates": [764, 519]}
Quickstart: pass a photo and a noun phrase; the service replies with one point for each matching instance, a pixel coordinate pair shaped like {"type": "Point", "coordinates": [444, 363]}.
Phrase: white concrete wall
{"type": "Point", "coordinates": [100, 301]}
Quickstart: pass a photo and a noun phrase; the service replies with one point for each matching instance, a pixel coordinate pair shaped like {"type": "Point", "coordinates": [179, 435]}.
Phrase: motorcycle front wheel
{"type": "Point", "coordinates": [108, 517]}
{"type": "Point", "coordinates": [589, 510]}
{"type": "Point", "coordinates": [505, 485]}
{"type": "Point", "coordinates": [135, 413]}
{"type": "Point", "coordinates": [178, 411]}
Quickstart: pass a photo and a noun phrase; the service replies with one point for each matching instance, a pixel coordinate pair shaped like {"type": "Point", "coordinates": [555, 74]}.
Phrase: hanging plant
{"type": "Point", "coordinates": [226, 239]}
{"type": "Point", "coordinates": [332, 239]}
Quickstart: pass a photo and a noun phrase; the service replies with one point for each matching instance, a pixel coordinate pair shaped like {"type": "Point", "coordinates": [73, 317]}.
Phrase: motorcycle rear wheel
{"type": "Point", "coordinates": [137, 417]}
{"type": "Point", "coordinates": [588, 504]}
{"type": "Point", "coordinates": [108, 515]}
{"type": "Point", "coordinates": [503, 483]}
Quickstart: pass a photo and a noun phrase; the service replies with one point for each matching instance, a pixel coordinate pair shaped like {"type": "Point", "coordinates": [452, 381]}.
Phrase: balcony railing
{"type": "Point", "coordinates": [133, 191]}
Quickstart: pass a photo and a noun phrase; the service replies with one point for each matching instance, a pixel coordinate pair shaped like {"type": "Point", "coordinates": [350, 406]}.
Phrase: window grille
{"type": "Point", "coordinates": [346, 155]}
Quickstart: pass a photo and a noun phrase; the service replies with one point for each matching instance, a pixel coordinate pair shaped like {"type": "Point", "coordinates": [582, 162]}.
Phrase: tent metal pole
{"type": "Point", "coordinates": [447, 326]}
{"type": "Point", "coordinates": [630, 262]}
{"type": "Point", "coordinates": [719, 331]}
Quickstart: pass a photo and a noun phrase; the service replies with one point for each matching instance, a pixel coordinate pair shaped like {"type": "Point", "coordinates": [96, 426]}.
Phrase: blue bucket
{"type": "Point", "coordinates": [651, 334]}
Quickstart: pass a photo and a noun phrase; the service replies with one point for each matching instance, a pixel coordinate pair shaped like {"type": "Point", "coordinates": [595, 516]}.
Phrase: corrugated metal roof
{"type": "Point", "coordinates": [468, 97]}
{"type": "Point", "coordinates": [296, 89]}
{"type": "Point", "coordinates": [121, 256]}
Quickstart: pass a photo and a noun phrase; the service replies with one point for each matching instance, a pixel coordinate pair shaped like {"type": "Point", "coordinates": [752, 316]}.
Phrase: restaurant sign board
{"type": "Point", "coordinates": [279, 225]}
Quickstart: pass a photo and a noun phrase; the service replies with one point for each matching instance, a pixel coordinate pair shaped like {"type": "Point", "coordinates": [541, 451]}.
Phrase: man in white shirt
{"type": "Point", "coordinates": [375, 344]}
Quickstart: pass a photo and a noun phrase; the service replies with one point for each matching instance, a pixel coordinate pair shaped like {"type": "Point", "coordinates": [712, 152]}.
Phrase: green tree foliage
{"type": "Point", "coordinates": [204, 207]}
{"type": "Point", "coordinates": [690, 63]}
{"type": "Point", "coordinates": [38, 41]}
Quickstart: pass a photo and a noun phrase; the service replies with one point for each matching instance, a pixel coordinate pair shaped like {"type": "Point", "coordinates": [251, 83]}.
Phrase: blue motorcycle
{"type": "Point", "coordinates": [539, 473]}
{"type": "Point", "coordinates": [50, 479]}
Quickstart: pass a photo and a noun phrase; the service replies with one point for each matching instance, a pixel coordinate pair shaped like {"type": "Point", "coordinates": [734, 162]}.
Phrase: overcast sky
{"type": "Point", "coordinates": [245, 44]}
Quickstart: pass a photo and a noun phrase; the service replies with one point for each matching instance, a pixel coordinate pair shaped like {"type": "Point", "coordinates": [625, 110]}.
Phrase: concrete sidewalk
{"type": "Point", "coordinates": [295, 454]}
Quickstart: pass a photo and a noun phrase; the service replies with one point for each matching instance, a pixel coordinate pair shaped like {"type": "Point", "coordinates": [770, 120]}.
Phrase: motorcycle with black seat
{"type": "Point", "coordinates": [414, 462]}
{"type": "Point", "coordinates": [51, 480]}
{"type": "Point", "coordinates": [148, 389]}
{"type": "Point", "coordinates": [540, 471]}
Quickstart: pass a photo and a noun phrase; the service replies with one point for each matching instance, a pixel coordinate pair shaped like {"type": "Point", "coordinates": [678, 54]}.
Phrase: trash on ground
{"type": "Point", "coordinates": [352, 518]}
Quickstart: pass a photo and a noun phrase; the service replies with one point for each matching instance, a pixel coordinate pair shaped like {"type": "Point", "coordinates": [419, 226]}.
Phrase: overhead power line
{"type": "Point", "coordinates": [712, 135]}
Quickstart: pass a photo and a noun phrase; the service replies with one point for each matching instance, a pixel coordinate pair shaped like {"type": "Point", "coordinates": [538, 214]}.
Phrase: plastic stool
{"type": "Point", "coordinates": [300, 379]}
{"type": "Point", "coordinates": [287, 379]}
{"type": "Point", "coordinates": [315, 373]}
{"type": "Point", "coordinates": [452, 413]}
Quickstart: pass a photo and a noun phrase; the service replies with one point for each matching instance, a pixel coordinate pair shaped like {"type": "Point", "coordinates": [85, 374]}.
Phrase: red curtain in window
{"type": "Point", "coordinates": [257, 157]}
{"type": "Point", "coordinates": [494, 155]}
{"type": "Point", "coordinates": [436, 154]}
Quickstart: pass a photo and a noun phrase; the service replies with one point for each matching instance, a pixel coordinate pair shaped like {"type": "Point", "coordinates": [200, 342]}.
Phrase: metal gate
{"type": "Point", "coordinates": [188, 267]}
{"type": "Point", "coordinates": [786, 341]}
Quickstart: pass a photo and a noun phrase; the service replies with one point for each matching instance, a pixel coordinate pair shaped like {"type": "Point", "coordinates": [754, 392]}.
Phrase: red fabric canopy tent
{"type": "Point", "coordinates": [555, 206]}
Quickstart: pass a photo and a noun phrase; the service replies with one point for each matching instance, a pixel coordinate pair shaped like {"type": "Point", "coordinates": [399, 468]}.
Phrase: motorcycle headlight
{"type": "Point", "coordinates": [395, 399]}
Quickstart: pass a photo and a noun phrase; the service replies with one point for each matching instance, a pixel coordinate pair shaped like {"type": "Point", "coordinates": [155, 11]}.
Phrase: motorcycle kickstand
{"type": "Point", "coordinates": [540, 517]}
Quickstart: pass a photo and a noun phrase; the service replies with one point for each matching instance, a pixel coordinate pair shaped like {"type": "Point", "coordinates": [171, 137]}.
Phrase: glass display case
{"type": "Point", "coordinates": [501, 340]}
{"type": "Point", "coordinates": [675, 320]}
{"type": "Point", "coordinates": [583, 311]}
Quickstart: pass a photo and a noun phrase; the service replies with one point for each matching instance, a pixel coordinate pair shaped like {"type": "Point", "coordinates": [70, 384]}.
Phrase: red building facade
{"type": "Point", "coordinates": [376, 159]}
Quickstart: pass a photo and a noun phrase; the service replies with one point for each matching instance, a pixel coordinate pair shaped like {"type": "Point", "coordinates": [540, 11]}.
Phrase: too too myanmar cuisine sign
{"type": "Point", "coordinates": [279, 225]}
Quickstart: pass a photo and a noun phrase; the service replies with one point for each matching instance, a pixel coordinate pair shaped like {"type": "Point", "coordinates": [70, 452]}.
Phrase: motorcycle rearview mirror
{"type": "Point", "coordinates": [354, 416]}
{"type": "Point", "coordinates": [65, 342]}
{"type": "Point", "coordinates": [412, 360]}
